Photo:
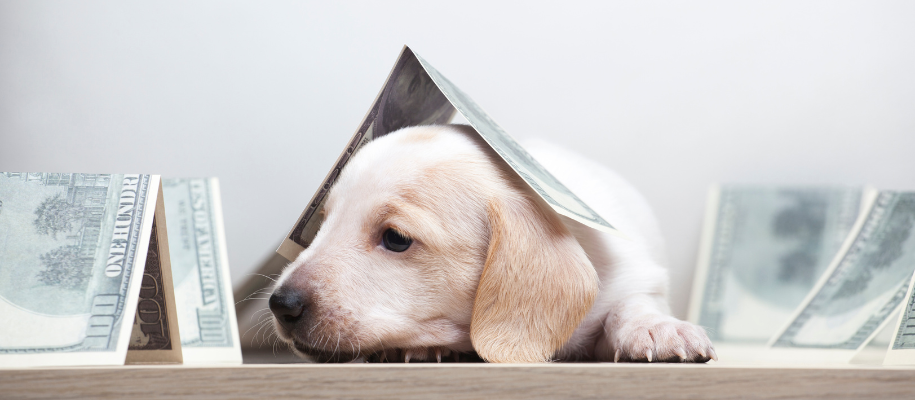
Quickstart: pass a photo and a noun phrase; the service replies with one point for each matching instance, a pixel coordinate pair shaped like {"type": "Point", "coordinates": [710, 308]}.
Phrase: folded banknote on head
{"type": "Point", "coordinates": [85, 277]}
{"type": "Point", "coordinates": [415, 93]}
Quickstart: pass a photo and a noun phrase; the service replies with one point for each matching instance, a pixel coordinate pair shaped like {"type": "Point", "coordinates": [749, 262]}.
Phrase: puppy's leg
{"type": "Point", "coordinates": [638, 326]}
{"type": "Point", "coordinates": [635, 331]}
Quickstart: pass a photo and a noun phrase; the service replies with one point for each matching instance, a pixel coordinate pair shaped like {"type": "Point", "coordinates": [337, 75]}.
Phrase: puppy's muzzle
{"type": "Point", "coordinates": [289, 306]}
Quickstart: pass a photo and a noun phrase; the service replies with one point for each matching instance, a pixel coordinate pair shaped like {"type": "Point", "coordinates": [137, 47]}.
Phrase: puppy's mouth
{"type": "Point", "coordinates": [340, 354]}
{"type": "Point", "coordinates": [324, 356]}
{"type": "Point", "coordinates": [302, 349]}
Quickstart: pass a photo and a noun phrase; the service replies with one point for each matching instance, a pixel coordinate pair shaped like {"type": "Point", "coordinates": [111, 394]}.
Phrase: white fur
{"type": "Point", "coordinates": [366, 299]}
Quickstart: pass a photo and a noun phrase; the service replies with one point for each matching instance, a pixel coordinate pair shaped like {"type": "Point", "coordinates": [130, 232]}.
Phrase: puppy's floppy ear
{"type": "Point", "coordinates": [536, 287]}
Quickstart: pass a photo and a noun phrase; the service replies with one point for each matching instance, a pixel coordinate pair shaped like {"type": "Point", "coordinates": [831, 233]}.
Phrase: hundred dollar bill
{"type": "Point", "coordinates": [203, 288]}
{"type": "Point", "coordinates": [863, 286]}
{"type": "Point", "coordinates": [84, 272]}
{"type": "Point", "coordinates": [763, 249]}
{"type": "Point", "coordinates": [417, 94]}
{"type": "Point", "coordinates": [902, 345]}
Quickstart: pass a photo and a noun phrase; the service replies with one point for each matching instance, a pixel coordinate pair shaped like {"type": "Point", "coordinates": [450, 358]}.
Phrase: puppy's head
{"type": "Point", "coordinates": [428, 240]}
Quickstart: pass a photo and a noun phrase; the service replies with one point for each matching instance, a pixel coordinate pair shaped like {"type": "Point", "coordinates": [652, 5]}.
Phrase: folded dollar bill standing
{"type": "Point", "coordinates": [85, 277]}
{"type": "Point", "coordinates": [763, 249]}
{"type": "Point", "coordinates": [902, 344]}
{"type": "Point", "coordinates": [203, 289]}
{"type": "Point", "coordinates": [417, 94]}
{"type": "Point", "coordinates": [864, 285]}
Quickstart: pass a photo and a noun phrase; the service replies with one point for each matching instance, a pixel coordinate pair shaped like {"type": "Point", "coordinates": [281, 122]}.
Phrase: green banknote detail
{"type": "Point", "coordinates": [866, 286]}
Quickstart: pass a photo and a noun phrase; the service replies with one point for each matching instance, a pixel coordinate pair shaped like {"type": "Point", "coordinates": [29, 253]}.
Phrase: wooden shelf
{"type": "Point", "coordinates": [423, 381]}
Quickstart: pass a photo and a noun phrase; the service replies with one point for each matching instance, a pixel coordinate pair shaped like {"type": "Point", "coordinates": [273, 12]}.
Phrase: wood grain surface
{"type": "Point", "coordinates": [460, 381]}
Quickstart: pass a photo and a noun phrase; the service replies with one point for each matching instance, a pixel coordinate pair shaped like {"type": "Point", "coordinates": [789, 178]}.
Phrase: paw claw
{"type": "Point", "coordinates": [711, 353]}
{"type": "Point", "coordinates": [648, 355]}
{"type": "Point", "coordinates": [407, 355]}
{"type": "Point", "coordinates": [616, 357]}
{"type": "Point", "coordinates": [680, 353]}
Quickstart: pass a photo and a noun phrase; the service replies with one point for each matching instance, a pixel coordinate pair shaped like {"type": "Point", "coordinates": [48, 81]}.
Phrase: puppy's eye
{"type": "Point", "coordinates": [395, 241]}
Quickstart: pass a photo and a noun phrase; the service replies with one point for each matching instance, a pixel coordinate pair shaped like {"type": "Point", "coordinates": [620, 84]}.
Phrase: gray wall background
{"type": "Point", "coordinates": [674, 95]}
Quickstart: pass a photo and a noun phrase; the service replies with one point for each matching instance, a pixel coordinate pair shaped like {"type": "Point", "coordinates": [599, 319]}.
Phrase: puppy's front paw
{"type": "Point", "coordinates": [660, 338]}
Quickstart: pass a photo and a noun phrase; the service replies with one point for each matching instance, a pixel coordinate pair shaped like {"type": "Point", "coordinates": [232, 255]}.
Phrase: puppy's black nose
{"type": "Point", "coordinates": [288, 305]}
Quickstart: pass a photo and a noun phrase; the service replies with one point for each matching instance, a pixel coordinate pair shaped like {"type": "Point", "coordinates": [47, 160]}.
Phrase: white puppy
{"type": "Point", "coordinates": [431, 244]}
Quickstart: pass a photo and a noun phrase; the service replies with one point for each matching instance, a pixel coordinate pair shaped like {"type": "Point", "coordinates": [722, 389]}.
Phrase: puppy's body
{"type": "Point", "coordinates": [631, 273]}
{"type": "Point", "coordinates": [491, 268]}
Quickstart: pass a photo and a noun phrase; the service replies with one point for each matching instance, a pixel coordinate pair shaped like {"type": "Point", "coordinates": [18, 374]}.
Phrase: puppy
{"type": "Point", "coordinates": [431, 244]}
